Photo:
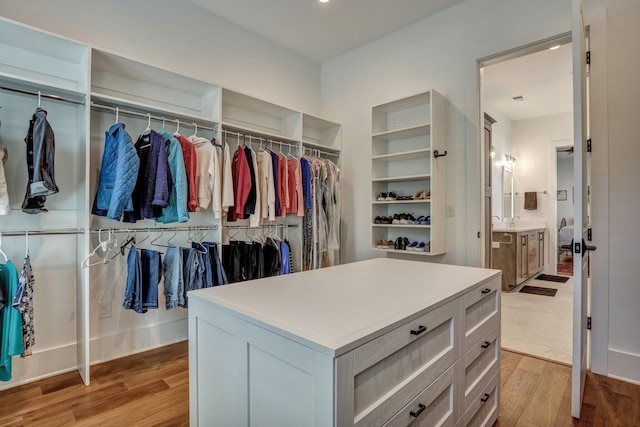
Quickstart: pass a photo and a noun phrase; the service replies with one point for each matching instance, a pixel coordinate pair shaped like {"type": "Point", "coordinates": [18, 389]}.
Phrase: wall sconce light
{"type": "Point", "coordinates": [493, 152]}
{"type": "Point", "coordinates": [510, 161]}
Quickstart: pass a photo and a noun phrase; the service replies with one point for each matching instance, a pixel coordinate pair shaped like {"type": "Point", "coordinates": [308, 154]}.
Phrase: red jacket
{"type": "Point", "coordinates": [241, 184]}
{"type": "Point", "coordinates": [191, 167]}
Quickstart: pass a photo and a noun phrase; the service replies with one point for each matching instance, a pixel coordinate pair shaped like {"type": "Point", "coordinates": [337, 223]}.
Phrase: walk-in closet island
{"type": "Point", "coordinates": [377, 342]}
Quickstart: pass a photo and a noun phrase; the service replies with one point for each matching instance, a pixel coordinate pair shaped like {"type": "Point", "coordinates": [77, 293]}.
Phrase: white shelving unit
{"type": "Point", "coordinates": [70, 332]}
{"type": "Point", "coordinates": [406, 136]}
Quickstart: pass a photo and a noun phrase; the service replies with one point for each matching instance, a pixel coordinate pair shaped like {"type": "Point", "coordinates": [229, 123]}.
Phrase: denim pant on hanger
{"type": "Point", "coordinates": [173, 277]}
{"type": "Point", "coordinates": [219, 275]}
{"type": "Point", "coordinates": [143, 278]}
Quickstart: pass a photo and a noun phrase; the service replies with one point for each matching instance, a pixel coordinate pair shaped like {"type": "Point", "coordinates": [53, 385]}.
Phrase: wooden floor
{"type": "Point", "coordinates": [151, 389]}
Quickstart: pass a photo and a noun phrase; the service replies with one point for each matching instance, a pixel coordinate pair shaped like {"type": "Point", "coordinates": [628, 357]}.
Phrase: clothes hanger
{"type": "Point", "coordinates": [39, 98]}
{"type": "Point", "coordinates": [148, 128]}
{"type": "Point", "coordinates": [26, 244]}
{"type": "Point", "coordinates": [117, 114]}
{"type": "Point", "coordinates": [1, 251]}
{"type": "Point", "coordinates": [195, 132]}
{"type": "Point", "coordinates": [105, 246]}
{"type": "Point", "coordinates": [163, 123]}
{"type": "Point", "coordinates": [177, 132]}
{"type": "Point", "coordinates": [145, 237]}
{"type": "Point", "coordinates": [231, 237]}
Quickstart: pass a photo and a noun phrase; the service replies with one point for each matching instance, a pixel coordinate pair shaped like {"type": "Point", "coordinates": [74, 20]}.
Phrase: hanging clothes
{"type": "Point", "coordinates": [284, 256]}
{"type": "Point", "coordinates": [5, 207]}
{"type": "Point", "coordinates": [176, 211]}
{"type": "Point", "coordinates": [228, 198]}
{"type": "Point", "coordinates": [23, 301]}
{"type": "Point", "coordinates": [40, 142]}
{"type": "Point", "coordinates": [208, 175]}
{"type": "Point", "coordinates": [276, 182]}
{"type": "Point", "coordinates": [296, 198]}
{"type": "Point", "coordinates": [254, 217]}
{"type": "Point", "coordinates": [172, 271]}
{"type": "Point", "coordinates": [241, 184]}
{"type": "Point", "coordinates": [11, 343]}
{"type": "Point", "coordinates": [189, 156]}
{"type": "Point", "coordinates": [283, 174]}
{"type": "Point", "coordinates": [143, 277]}
{"type": "Point", "coordinates": [266, 184]}
{"type": "Point", "coordinates": [250, 205]}
{"type": "Point", "coordinates": [118, 174]}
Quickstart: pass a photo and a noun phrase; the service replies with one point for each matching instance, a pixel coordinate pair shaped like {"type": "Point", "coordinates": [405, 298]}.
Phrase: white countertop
{"type": "Point", "coordinates": [335, 309]}
{"type": "Point", "coordinates": [518, 228]}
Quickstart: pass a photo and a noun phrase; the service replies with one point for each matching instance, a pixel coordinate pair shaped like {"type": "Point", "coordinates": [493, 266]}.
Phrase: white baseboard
{"type": "Point", "coordinates": [55, 361]}
{"type": "Point", "coordinates": [126, 343]}
{"type": "Point", "coordinates": [624, 366]}
{"type": "Point", "coordinates": [42, 364]}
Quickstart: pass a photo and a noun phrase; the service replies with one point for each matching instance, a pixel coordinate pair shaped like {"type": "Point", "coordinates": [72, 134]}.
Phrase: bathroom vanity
{"type": "Point", "coordinates": [519, 252]}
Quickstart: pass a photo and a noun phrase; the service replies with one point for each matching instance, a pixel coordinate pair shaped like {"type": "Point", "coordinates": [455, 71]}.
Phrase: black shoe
{"type": "Point", "coordinates": [398, 244]}
{"type": "Point", "coordinates": [377, 220]}
{"type": "Point", "coordinates": [405, 243]}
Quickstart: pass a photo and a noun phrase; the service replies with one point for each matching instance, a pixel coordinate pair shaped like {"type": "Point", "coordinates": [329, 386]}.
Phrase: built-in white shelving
{"type": "Point", "coordinates": [406, 134]}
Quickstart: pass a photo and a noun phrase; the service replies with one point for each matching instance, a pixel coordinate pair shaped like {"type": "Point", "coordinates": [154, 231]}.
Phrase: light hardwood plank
{"type": "Point", "coordinates": [532, 364]}
{"type": "Point", "coordinates": [543, 405]}
{"type": "Point", "coordinates": [515, 394]}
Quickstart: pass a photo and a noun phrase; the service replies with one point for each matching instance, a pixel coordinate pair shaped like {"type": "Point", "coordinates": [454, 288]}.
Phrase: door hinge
{"type": "Point", "coordinates": [589, 322]}
{"type": "Point", "coordinates": [478, 234]}
{"type": "Point", "coordinates": [589, 234]}
{"type": "Point", "coordinates": [588, 57]}
{"type": "Point", "coordinates": [577, 248]}
{"type": "Point", "coordinates": [589, 145]}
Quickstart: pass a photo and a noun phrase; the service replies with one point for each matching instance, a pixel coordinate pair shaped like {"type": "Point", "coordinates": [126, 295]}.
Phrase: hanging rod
{"type": "Point", "coordinates": [543, 192]}
{"type": "Point", "coordinates": [153, 229]}
{"type": "Point", "coordinates": [43, 95]}
{"type": "Point", "coordinates": [261, 139]}
{"type": "Point", "coordinates": [43, 232]}
{"type": "Point", "coordinates": [248, 227]}
{"type": "Point", "coordinates": [146, 116]}
{"type": "Point", "coordinates": [316, 150]}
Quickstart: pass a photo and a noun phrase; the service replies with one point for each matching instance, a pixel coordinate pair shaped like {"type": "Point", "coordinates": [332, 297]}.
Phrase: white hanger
{"type": "Point", "coordinates": [148, 129]}
{"type": "Point", "coordinates": [177, 132]}
{"type": "Point", "coordinates": [1, 252]}
{"type": "Point", "coordinates": [105, 246]}
{"type": "Point", "coordinates": [39, 98]}
{"type": "Point", "coordinates": [26, 242]}
{"type": "Point", "coordinates": [117, 114]}
{"type": "Point", "coordinates": [195, 132]}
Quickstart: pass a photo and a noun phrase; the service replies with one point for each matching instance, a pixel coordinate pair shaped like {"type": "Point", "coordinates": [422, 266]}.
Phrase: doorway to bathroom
{"type": "Point", "coordinates": [528, 95]}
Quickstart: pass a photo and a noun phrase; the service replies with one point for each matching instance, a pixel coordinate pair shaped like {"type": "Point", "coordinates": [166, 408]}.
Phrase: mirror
{"type": "Point", "coordinates": [507, 193]}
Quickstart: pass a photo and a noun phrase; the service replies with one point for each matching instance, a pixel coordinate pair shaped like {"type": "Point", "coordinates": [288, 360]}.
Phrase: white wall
{"type": "Point", "coordinates": [441, 52]}
{"type": "Point", "coordinates": [183, 38]}
{"type": "Point", "coordinates": [565, 182]}
{"type": "Point", "coordinates": [532, 140]}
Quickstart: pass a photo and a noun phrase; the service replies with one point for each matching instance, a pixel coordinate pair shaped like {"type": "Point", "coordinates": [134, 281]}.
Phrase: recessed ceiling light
{"type": "Point", "coordinates": [324, 1]}
{"type": "Point", "coordinates": [551, 48]}
{"type": "Point", "coordinates": [518, 98]}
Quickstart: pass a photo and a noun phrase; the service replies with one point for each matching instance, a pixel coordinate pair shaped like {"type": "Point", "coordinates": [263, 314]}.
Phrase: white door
{"type": "Point", "coordinates": [580, 250]}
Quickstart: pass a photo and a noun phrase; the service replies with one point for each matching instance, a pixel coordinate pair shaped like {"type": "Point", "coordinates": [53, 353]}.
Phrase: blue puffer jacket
{"type": "Point", "coordinates": [177, 209]}
{"type": "Point", "coordinates": [118, 174]}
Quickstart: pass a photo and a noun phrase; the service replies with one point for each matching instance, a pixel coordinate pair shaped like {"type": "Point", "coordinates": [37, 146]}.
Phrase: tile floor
{"type": "Point", "coordinates": [539, 325]}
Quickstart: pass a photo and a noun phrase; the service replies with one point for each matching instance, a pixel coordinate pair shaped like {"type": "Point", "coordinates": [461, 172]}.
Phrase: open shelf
{"type": "Point", "coordinates": [400, 202]}
{"type": "Point", "coordinates": [320, 133]}
{"type": "Point", "coordinates": [405, 155]}
{"type": "Point", "coordinates": [419, 177]}
{"type": "Point", "coordinates": [409, 132]}
{"type": "Point", "coordinates": [402, 225]}
{"type": "Point", "coordinates": [405, 252]}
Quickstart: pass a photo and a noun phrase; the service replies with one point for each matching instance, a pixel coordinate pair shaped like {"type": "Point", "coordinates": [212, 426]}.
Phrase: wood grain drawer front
{"type": "Point", "coordinates": [391, 370]}
{"type": "Point", "coordinates": [483, 410]}
{"type": "Point", "coordinates": [480, 364]}
{"type": "Point", "coordinates": [481, 312]}
{"type": "Point", "coordinates": [432, 407]}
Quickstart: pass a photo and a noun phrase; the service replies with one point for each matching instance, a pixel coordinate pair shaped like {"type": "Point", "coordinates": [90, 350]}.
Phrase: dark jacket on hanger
{"type": "Point", "coordinates": [151, 192]}
{"type": "Point", "coordinates": [41, 147]}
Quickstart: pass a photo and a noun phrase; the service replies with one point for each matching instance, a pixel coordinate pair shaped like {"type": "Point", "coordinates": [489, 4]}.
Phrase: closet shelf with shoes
{"type": "Point", "coordinates": [406, 176]}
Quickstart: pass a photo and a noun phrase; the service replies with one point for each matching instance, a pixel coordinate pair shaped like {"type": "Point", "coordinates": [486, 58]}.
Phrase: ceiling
{"type": "Point", "coordinates": [544, 78]}
{"type": "Point", "coordinates": [321, 31]}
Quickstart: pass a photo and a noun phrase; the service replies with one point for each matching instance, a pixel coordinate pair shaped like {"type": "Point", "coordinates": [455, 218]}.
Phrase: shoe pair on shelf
{"type": "Point", "coordinates": [403, 218]}
{"type": "Point", "coordinates": [422, 195]}
{"type": "Point", "coordinates": [390, 196]}
{"type": "Point", "coordinates": [401, 243]}
{"type": "Point", "coordinates": [385, 244]}
{"type": "Point", "coordinates": [383, 220]}
{"type": "Point", "coordinates": [419, 246]}
{"type": "Point", "coordinates": [424, 220]}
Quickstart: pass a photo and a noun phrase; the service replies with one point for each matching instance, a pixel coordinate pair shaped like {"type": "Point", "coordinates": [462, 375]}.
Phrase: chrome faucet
{"type": "Point", "coordinates": [496, 217]}
{"type": "Point", "coordinates": [512, 223]}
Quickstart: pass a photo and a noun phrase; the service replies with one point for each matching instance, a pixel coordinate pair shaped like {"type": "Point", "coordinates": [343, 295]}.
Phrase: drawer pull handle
{"type": "Point", "coordinates": [417, 413]}
{"type": "Point", "coordinates": [418, 331]}
{"type": "Point", "coordinates": [485, 397]}
{"type": "Point", "coordinates": [486, 344]}
{"type": "Point", "coordinates": [486, 290]}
